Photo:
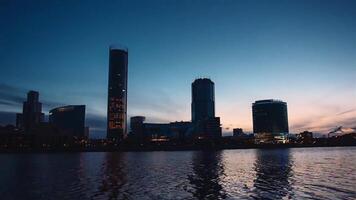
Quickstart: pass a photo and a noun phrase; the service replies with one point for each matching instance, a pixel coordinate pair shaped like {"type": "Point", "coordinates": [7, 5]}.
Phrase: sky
{"type": "Point", "coordinates": [301, 52]}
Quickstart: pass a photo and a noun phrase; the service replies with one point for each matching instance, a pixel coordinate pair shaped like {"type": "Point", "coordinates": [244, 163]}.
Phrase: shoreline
{"type": "Point", "coordinates": [167, 149]}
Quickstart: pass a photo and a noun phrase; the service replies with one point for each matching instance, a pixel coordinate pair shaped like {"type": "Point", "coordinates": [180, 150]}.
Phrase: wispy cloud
{"type": "Point", "coordinates": [162, 107]}
{"type": "Point", "coordinates": [346, 112]}
{"type": "Point", "coordinates": [12, 96]}
{"type": "Point", "coordinates": [325, 123]}
{"type": "Point", "coordinates": [8, 103]}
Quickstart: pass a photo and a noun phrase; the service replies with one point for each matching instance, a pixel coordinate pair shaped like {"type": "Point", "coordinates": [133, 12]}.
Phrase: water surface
{"type": "Point", "coordinates": [300, 173]}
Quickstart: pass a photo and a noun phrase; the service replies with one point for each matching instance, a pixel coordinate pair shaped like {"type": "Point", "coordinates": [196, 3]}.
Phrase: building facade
{"type": "Point", "coordinates": [69, 120]}
{"type": "Point", "coordinates": [32, 114]}
{"type": "Point", "coordinates": [270, 121]}
{"type": "Point", "coordinates": [203, 99]}
{"type": "Point", "coordinates": [158, 132]}
{"type": "Point", "coordinates": [208, 129]}
{"type": "Point", "coordinates": [136, 126]}
{"type": "Point", "coordinates": [237, 132]}
{"type": "Point", "coordinates": [205, 125]}
{"type": "Point", "coordinates": [117, 94]}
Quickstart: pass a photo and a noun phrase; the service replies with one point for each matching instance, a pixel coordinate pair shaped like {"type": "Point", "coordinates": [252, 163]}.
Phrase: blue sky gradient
{"type": "Point", "coordinates": [302, 52]}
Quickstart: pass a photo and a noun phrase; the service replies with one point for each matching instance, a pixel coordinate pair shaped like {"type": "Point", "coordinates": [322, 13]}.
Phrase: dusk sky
{"type": "Point", "coordinates": [301, 52]}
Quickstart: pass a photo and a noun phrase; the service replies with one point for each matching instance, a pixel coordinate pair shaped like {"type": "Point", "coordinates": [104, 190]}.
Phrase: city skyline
{"type": "Point", "coordinates": [311, 68]}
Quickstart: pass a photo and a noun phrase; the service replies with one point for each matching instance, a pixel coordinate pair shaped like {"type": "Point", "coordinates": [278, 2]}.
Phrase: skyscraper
{"type": "Point", "coordinates": [31, 113]}
{"type": "Point", "coordinates": [117, 94]}
{"type": "Point", "coordinates": [270, 121]}
{"type": "Point", "coordinates": [206, 125]}
{"type": "Point", "coordinates": [137, 128]}
{"type": "Point", "coordinates": [203, 99]}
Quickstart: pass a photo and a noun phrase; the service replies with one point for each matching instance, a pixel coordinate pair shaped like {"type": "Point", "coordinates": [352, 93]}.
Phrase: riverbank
{"type": "Point", "coordinates": [166, 148]}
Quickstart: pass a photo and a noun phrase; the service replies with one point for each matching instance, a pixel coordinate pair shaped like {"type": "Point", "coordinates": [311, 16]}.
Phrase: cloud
{"type": "Point", "coordinates": [10, 95]}
{"type": "Point", "coordinates": [8, 103]}
{"type": "Point", "coordinates": [13, 97]}
{"type": "Point", "coordinates": [6, 88]}
{"type": "Point", "coordinates": [162, 106]}
{"type": "Point", "coordinates": [325, 123]}
{"type": "Point", "coordinates": [346, 112]}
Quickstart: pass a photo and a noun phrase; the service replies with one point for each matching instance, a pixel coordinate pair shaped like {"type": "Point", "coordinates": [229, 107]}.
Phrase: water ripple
{"type": "Point", "coordinates": [310, 173]}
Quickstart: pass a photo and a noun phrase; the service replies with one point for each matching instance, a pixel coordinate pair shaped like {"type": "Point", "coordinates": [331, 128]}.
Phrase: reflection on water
{"type": "Point", "coordinates": [42, 176]}
{"type": "Point", "coordinates": [113, 177]}
{"type": "Point", "coordinates": [310, 173]}
{"type": "Point", "coordinates": [207, 169]}
{"type": "Point", "coordinates": [273, 171]}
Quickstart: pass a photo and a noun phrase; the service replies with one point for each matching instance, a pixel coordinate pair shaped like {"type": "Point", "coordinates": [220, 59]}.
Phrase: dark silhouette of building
{"type": "Point", "coordinates": [270, 121]}
{"type": "Point", "coordinates": [19, 120]}
{"type": "Point", "coordinates": [203, 99]}
{"type": "Point", "coordinates": [206, 125]}
{"type": "Point", "coordinates": [32, 114]}
{"type": "Point", "coordinates": [237, 132]}
{"type": "Point", "coordinates": [305, 137]}
{"type": "Point", "coordinates": [137, 130]}
{"type": "Point", "coordinates": [180, 130]}
{"type": "Point", "coordinates": [157, 132]}
{"type": "Point", "coordinates": [117, 94]}
{"type": "Point", "coordinates": [209, 128]}
{"type": "Point", "coordinates": [69, 120]}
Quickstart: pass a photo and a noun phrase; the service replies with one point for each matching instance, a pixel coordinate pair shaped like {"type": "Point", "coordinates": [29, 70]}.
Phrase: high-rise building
{"type": "Point", "coordinates": [136, 125]}
{"type": "Point", "coordinates": [32, 114]}
{"type": "Point", "coordinates": [69, 120]}
{"type": "Point", "coordinates": [117, 94]}
{"type": "Point", "coordinates": [203, 105]}
{"type": "Point", "coordinates": [270, 121]}
{"type": "Point", "coordinates": [206, 125]}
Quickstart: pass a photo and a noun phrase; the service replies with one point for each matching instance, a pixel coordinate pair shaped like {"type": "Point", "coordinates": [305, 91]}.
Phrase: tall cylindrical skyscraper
{"type": "Point", "coordinates": [203, 99]}
{"type": "Point", "coordinates": [117, 94]}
